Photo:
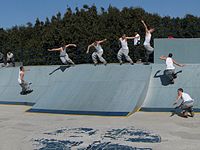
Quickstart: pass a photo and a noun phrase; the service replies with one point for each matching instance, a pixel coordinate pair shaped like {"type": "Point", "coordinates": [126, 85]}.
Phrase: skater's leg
{"type": "Point", "coordinates": [137, 53]}
{"type": "Point", "coordinates": [119, 56]}
{"type": "Point", "coordinates": [187, 107]}
{"type": "Point", "coordinates": [101, 58]}
{"type": "Point", "coordinates": [127, 56]}
{"type": "Point", "coordinates": [149, 50]}
{"type": "Point", "coordinates": [94, 57]}
{"type": "Point", "coordinates": [68, 59]}
{"type": "Point", "coordinates": [63, 59]}
{"type": "Point", "coordinates": [27, 86]}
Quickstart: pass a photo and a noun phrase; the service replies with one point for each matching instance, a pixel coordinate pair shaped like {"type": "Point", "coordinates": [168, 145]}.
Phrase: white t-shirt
{"type": "Point", "coordinates": [98, 48]}
{"type": "Point", "coordinates": [136, 39]}
{"type": "Point", "coordinates": [63, 52]}
{"type": "Point", "coordinates": [186, 97]}
{"type": "Point", "coordinates": [9, 56]}
{"type": "Point", "coordinates": [147, 38]}
{"type": "Point", "coordinates": [19, 78]}
{"type": "Point", "coordinates": [124, 43]}
{"type": "Point", "coordinates": [170, 64]}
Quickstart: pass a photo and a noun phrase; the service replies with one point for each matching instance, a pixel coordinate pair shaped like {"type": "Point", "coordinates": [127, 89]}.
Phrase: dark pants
{"type": "Point", "coordinates": [25, 86]}
{"type": "Point", "coordinates": [138, 52]}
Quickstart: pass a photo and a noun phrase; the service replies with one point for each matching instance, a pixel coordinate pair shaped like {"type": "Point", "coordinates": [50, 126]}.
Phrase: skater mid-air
{"type": "Point", "coordinates": [170, 69]}
{"type": "Point", "coordinates": [124, 50]}
{"type": "Point", "coordinates": [64, 57]}
{"type": "Point", "coordinates": [147, 45]}
{"type": "Point", "coordinates": [24, 84]}
{"type": "Point", "coordinates": [98, 52]}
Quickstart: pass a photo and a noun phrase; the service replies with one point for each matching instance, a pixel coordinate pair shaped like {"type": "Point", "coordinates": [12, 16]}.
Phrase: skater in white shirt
{"type": "Point", "coordinates": [64, 57]}
{"type": "Point", "coordinates": [24, 84]}
{"type": "Point", "coordinates": [170, 69]}
{"type": "Point", "coordinates": [147, 45]}
{"type": "Point", "coordinates": [124, 50]}
{"type": "Point", "coordinates": [186, 104]}
{"type": "Point", "coordinates": [98, 52]}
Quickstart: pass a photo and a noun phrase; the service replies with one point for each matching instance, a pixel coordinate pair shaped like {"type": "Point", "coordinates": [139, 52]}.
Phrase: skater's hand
{"type": "Point", "coordinates": [182, 65]}
{"type": "Point", "coordinates": [142, 21]}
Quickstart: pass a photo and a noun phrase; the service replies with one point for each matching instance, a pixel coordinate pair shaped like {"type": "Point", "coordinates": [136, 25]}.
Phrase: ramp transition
{"type": "Point", "coordinates": [111, 90]}
{"type": "Point", "coordinates": [161, 95]}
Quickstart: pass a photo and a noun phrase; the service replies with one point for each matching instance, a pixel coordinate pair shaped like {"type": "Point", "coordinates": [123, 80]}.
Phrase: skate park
{"type": "Point", "coordinates": [112, 90]}
{"type": "Point", "coordinates": [90, 75]}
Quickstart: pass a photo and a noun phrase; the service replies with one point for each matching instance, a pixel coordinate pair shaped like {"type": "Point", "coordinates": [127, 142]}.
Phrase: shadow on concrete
{"type": "Point", "coordinates": [62, 68]}
{"type": "Point", "coordinates": [163, 77]}
{"type": "Point", "coordinates": [177, 111]}
{"type": "Point", "coordinates": [26, 92]}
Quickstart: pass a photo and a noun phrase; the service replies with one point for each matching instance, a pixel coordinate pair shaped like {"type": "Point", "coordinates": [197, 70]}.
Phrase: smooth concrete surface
{"type": "Point", "coordinates": [10, 88]}
{"type": "Point", "coordinates": [161, 94]}
{"type": "Point", "coordinates": [20, 130]}
{"type": "Point", "coordinates": [111, 90]}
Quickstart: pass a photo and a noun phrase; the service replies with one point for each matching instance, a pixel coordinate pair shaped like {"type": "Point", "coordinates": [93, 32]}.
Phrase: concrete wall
{"type": "Point", "coordinates": [161, 95]}
{"type": "Point", "coordinates": [184, 50]}
{"type": "Point", "coordinates": [83, 89]}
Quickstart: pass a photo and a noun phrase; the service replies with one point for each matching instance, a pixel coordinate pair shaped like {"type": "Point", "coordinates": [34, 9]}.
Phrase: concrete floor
{"type": "Point", "coordinates": [19, 130]}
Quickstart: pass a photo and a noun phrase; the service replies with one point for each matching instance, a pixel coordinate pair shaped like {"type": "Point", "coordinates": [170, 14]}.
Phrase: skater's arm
{"type": "Point", "coordinates": [145, 26]}
{"type": "Point", "coordinates": [163, 57]}
{"type": "Point", "coordinates": [55, 49]}
{"type": "Point", "coordinates": [180, 65]}
{"type": "Point", "coordinates": [130, 38]}
{"type": "Point", "coordinates": [70, 45]}
{"type": "Point", "coordinates": [26, 69]}
{"type": "Point", "coordinates": [99, 42]}
{"type": "Point", "coordinates": [177, 99]}
{"type": "Point", "coordinates": [88, 49]}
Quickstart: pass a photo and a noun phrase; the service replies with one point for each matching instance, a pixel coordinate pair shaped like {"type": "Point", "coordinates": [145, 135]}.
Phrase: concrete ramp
{"type": "Point", "coordinates": [10, 89]}
{"type": "Point", "coordinates": [161, 94]}
{"type": "Point", "coordinates": [102, 90]}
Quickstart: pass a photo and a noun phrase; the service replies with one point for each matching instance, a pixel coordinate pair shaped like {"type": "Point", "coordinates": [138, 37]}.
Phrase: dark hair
{"type": "Point", "coordinates": [180, 89]}
{"type": "Point", "coordinates": [170, 55]}
{"type": "Point", "coordinates": [21, 67]}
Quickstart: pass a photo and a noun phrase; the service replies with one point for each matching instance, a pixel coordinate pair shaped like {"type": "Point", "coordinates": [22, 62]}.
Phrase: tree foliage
{"type": "Point", "coordinates": [30, 42]}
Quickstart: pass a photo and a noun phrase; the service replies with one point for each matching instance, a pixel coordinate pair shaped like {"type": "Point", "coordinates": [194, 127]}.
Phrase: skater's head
{"type": "Point", "coordinates": [180, 90]}
{"type": "Point", "coordinates": [95, 43]}
{"type": "Point", "coordinates": [170, 55]}
{"type": "Point", "coordinates": [123, 36]}
{"type": "Point", "coordinates": [21, 68]}
{"type": "Point", "coordinates": [135, 33]}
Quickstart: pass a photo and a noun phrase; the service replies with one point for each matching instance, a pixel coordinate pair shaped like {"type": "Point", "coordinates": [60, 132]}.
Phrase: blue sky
{"type": "Point", "coordinates": [19, 12]}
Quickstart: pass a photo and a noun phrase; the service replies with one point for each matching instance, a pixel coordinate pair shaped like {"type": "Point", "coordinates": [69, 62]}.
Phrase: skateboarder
{"type": "Point", "coordinates": [170, 69]}
{"type": "Point", "coordinates": [98, 53]}
{"type": "Point", "coordinates": [187, 103]}
{"type": "Point", "coordinates": [64, 57]}
{"type": "Point", "coordinates": [124, 50]}
{"type": "Point", "coordinates": [147, 45]}
{"type": "Point", "coordinates": [24, 84]}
